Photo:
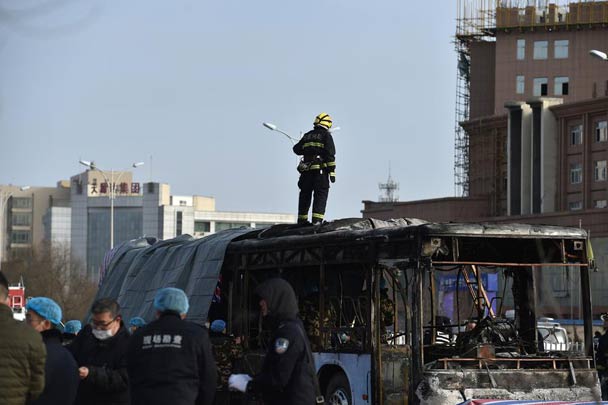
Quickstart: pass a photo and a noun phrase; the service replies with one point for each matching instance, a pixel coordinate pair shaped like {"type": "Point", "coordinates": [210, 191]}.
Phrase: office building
{"type": "Point", "coordinates": [77, 215]}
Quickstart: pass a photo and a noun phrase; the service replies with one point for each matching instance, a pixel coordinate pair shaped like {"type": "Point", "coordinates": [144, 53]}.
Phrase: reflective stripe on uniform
{"type": "Point", "coordinates": [305, 216]}
{"type": "Point", "coordinates": [330, 164]}
{"type": "Point", "coordinates": [313, 167]}
{"type": "Point", "coordinates": [313, 144]}
{"type": "Point", "coordinates": [319, 216]}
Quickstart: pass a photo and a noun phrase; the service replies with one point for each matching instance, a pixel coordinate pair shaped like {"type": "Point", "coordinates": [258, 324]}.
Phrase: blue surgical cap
{"type": "Point", "coordinates": [46, 308]}
{"type": "Point", "coordinates": [73, 326]}
{"type": "Point", "coordinates": [218, 326]}
{"type": "Point", "coordinates": [137, 321]}
{"type": "Point", "coordinates": [171, 299]}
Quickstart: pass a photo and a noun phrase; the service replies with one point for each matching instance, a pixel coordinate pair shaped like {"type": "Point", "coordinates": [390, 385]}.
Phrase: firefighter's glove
{"type": "Point", "coordinates": [238, 382]}
{"type": "Point", "coordinates": [332, 177]}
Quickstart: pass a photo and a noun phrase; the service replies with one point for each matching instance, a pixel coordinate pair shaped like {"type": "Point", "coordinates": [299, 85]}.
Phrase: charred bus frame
{"type": "Point", "coordinates": [407, 255]}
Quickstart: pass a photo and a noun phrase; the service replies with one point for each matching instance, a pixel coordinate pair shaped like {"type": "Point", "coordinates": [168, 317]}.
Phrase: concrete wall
{"type": "Point", "coordinates": [549, 157]}
{"type": "Point", "coordinates": [482, 75]}
{"type": "Point", "coordinates": [437, 210]}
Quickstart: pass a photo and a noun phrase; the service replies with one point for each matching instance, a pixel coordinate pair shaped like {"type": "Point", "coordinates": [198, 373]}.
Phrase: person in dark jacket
{"type": "Point", "coordinates": [22, 356]}
{"type": "Point", "coordinates": [170, 360]}
{"type": "Point", "coordinates": [601, 360]}
{"type": "Point", "coordinates": [100, 350]}
{"type": "Point", "coordinates": [317, 169]}
{"type": "Point", "coordinates": [287, 374]}
{"type": "Point", "coordinates": [61, 371]}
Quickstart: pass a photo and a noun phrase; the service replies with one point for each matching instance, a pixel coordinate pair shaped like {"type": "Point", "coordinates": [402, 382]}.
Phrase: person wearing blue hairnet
{"type": "Point", "coordinates": [170, 359]}
{"type": "Point", "coordinates": [227, 351]}
{"type": "Point", "coordinates": [70, 331]}
{"type": "Point", "coordinates": [136, 323]}
{"type": "Point", "coordinates": [60, 371]}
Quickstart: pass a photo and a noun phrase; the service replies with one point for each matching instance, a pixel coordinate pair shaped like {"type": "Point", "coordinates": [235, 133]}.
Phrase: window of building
{"type": "Point", "coordinates": [540, 49]}
{"type": "Point", "coordinates": [259, 225]}
{"type": "Point", "coordinates": [599, 170]}
{"type": "Point", "coordinates": [561, 86]}
{"type": "Point", "coordinates": [576, 135]}
{"type": "Point", "coordinates": [576, 173]}
{"type": "Point", "coordinates": [21, 219]}
{"type": "Point", "coordinates": [601, 131]}
{"type": "Point", "coordinates": [540, 86]}
{"type": "Point", "coordinates": [575, 205]}
{"type": "Point", "coordinates": [22, 202]}
{"type": "Point", "coordinates": [20, 237]}
{"type": "Point", "coordinates": [202, 226]}
{"type": "Point", "coordinates": [178, 223]}
{"type": "Point", "coordinates": [521, 49]}
{"type": "Point", "coordinates": [560, 50]}
{"type": "Point", "coordinates": [600, 203]}
{"type": "Point", "coordinates": [220, 226]}
{"type": "Point", "coordinates": [520, 84]}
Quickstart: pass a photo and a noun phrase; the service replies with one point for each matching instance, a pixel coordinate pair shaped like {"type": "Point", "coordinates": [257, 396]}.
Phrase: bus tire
{"type": "Point", "coordinates": [338, 391]}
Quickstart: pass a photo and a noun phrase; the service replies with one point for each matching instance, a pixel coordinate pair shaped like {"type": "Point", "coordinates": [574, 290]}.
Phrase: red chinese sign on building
{"type": "Point", "coordinates": [104, 189]}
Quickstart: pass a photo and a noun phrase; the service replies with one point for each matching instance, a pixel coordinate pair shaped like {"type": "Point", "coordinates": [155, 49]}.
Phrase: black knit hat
{"type": "Point", "coordinates": [3, 280]}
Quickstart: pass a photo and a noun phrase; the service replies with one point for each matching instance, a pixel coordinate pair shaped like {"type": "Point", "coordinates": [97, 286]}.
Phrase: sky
{"type": "Point", "coordinates": [185, 86]}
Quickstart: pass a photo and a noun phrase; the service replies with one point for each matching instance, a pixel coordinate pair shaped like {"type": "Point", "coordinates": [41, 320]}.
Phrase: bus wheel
{"type": "Point", "coordinates": [338, 391]}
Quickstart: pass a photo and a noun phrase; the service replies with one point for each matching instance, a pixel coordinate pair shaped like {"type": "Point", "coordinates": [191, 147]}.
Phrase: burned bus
{"type": "Point", "coordinates": [397, 312]}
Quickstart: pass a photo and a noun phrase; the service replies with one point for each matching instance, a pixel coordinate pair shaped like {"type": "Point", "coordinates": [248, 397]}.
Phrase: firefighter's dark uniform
{"type": "Point", "coordinates": [317, 168]}
{"type": "Point", "coordinates": [286, 376]}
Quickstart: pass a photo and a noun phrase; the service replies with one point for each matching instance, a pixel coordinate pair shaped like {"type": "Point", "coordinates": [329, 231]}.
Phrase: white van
{"type": "Point", "coordinates": [555, 337]}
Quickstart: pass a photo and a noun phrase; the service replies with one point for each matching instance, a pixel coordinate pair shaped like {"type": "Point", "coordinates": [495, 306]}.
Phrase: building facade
{"type": "Point", "coordinates": [22, 216]}
{"type": "Point", "coordinates": [78, 214]}
{"type": "Point", "coordinates": [537, 123]}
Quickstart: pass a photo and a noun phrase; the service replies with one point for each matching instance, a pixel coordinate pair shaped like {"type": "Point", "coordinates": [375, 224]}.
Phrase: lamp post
{"type": "Point", "coordinates": [599, 54]}
{"type": "Point", "coordinates": [4, 197]}
{"type": "Point", "coordinates": [91, 165]}
{"type": "Point", "coordinates": [293, 140]}
{"type": "Point", "coordinates": [273, 127]}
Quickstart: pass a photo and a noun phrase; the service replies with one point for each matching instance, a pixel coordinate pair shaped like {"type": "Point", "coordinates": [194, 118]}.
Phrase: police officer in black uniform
{"type": "Point", "coordinates": [287, 375]}
{"type": "Point", "coordinates": [317, 168]}
{"type": "Point", "coordinates": [170, 360]}
{"type": "Point", "coordinates": [602, 358]}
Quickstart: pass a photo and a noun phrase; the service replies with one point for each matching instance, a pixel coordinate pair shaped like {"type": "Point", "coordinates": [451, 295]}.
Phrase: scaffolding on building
{"type": "Point", "coordinates": [479, 20]}
{"type": "Point", "coordinates": [474, 22]}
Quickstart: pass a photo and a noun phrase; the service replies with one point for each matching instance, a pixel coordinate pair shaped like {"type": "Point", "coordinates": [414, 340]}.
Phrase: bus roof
{"type": "Point", "coordinates": [355, 228]}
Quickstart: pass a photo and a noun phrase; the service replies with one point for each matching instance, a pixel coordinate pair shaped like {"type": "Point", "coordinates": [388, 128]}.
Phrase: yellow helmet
{"type": "Point", "coordinates": [323, 120]}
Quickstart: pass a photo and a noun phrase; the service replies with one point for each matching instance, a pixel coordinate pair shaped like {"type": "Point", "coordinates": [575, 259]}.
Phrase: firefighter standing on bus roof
{"type": "Point", "coordinates": [317, 168]}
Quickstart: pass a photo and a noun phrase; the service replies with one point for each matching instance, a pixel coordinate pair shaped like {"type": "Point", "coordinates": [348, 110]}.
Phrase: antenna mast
{"type": "Point", "coordinates": [388, 189]}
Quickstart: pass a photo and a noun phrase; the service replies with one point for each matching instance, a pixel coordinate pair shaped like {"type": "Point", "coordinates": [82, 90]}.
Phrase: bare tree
{"type": "Point", "coordinates": [51, 271]}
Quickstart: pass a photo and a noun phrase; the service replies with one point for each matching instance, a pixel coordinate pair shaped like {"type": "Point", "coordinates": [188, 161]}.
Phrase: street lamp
{"type": "Point", "coordinates": [273, 127]}
{"type": "Point", "coordinates": [91, 165]}
{"type": "Point", "coordinates": [599, 54]}
{"type": "Point", "coordinates": [4, 197]}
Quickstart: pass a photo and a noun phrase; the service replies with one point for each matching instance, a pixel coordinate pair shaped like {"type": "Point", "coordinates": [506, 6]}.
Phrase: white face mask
{"type": "Point", "coordinates": [102, 334]}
